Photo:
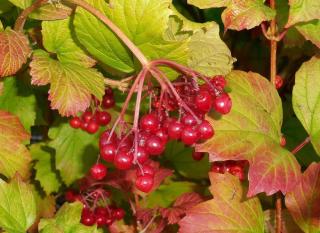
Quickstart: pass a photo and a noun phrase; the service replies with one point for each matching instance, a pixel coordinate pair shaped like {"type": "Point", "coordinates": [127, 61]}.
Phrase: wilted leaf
{"type": "Point", "coordinates": [76, 151]}
{"type": "Point", "coordinates": [45, 173]}
{"type": "Point", "coordinates": [19, 99]}
{"type": "Point", "coordinates": [229, 211]}
{"type": "Point", "coordinates": [304, 201]}
{"type": "Point", "coordinates": [71, 84]}
{"type": "Point", "coordinates": [14, 51]}
{"type": "Point", "coordinates": [306, 99]}
{"type": "Point", "coordinates": [67, 220]}
{"type": "Point", "coordinates": [14, 156]}
{"type": "Point", "coordinates": [303, 11]}
{"type": "Point", "coordinates": [17, 206]}
{"type": "Point", "coordinates": [239, 15]}
{"type": "Point", "coordinates": [251, 131]}
{"type": "Point", "coordinates": [310, 31]}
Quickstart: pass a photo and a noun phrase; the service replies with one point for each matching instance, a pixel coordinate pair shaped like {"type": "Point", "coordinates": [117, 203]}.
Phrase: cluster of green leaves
{"type": "Point", "coordinates": [72, 58]}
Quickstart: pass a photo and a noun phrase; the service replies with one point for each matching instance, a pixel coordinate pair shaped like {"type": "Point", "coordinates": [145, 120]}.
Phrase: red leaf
{"type": "Point", "coordinates": [304, 201]}
{"type": "Point", "coordinates": [14, 51]}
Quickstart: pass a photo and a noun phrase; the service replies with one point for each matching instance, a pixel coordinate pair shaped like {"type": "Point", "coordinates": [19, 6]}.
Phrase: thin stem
{"type": "Point", "coordinates": [19, 24]}
{"type": "Point", "coordinates": [301, 145]}
{"type": "Point", "coordinates": [148, 225]}
{"type": "Point", "coordinates": [115, 29]}
{"type": "Point", "coordinates": [122, 84]}
{"type": "Point", "coordinates": [273, 46]}
{"type": "Point", "coordinates": [278, 213]}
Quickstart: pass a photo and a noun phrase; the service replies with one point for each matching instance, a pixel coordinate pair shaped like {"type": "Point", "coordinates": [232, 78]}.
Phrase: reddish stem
{"type": "Point", "coordinates": [301, 145]}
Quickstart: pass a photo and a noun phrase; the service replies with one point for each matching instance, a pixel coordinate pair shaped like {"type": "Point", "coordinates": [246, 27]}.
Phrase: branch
{"type": "Point", "coordinates": [301, 145]}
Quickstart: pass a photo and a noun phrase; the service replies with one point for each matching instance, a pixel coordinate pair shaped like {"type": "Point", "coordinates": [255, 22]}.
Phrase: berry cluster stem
{"type": "Point", "coordinates": [301, 145]}
{"type": "Point", "coordinates": [273, 46]}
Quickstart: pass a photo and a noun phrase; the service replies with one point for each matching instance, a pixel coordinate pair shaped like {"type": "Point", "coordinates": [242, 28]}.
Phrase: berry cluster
{"type": "Point", "coordinates": [96, 210]}
{"type": "Point", "coordinates": [171, 117]}
{"type": "Point", "coordinates": [89, 121]}
{"type": "Point", "coordinates": [236, 168]}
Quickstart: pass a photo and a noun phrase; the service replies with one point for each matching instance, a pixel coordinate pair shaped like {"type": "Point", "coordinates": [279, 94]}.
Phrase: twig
{"type": "Point", "coordinates": [301, 145]}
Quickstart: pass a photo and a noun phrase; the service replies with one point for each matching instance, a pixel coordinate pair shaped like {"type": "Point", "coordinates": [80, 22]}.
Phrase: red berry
{"type": "Point", "coordinates": [237, 171]}
{"type": "Point", "coordinates": [118, 213]}
{"type": "Point", "coordinates": [70, 196]}
{"type": "Point", "coordinates": [101, 220]}
{"type": "Point", "coordinates": [205, 129]}
{"type": "Point", "coordinates": [144, 183]}
{"type": "Point", "coordinates": [146, 169]}
{"type": "Point", "coordinates": [108, 152]}
{"type": "Point", "coordinates": [283, 141]}
{"type": "Point", "coordinates": [103, 118]}
{"type": "Point", "coordinates": [190, 135]}
{"type": "Point", "coordinates": [75, 122]}
{"type": "Point", "coordinates": [126, 142]}
{"type": "Point", "coordinates": [87, 116]}
{"type": "Point", "coordinates": [188, 120]}
{"type": "Point", "coordinates": [108, 101]}
{"type": "Point", "coordinates": [87, 217]}
{"type": "Point", "coordinates": [142, 155]}
{"type": "Point", "coordinates": [162, 134]}
{"type": "Point", "coordinates": [219, 82]}
{"type": "Point", "coordinates": [149, 123]}
{"type": "Point", "coordinates": [109, 220]}
{"type": "Point", "coordinates": [154, 145]}
{"type": "Point", "coordinates": [108, 91]}
{"type": "Point", "coordinates": [197, 155]}
{"type": "Point", "coordinates": [278, 82]}
{"type": "Point", "coordinates": [84, 125]}
{"type": "Point", "coordinates": [101, 211]}
{"type": "Point", "coordinates": [98, 171]}
{"type": "Point", "coordinates": [104, 138]}
{"type": "Point", "coordinates": [143, 137]}
{"type": "Point", "coordinates": [92, 127]}
{"type": "Point", "coordinates": [222, 104]}
{"type": "Point", "coordinates": [218, 167]}
{"type": "Point", "coordinates": [203, 101]}
{"type": "Point", "coordinates": [123, 160]}
{"type": "Point", "coordinates": [175, 129]}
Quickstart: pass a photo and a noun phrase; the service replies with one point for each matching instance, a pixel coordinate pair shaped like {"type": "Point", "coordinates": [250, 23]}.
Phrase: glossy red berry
{"type": "Point", "coordinates": [101, 211]}
{"type": "Point", "coordinates": [105, 136]}
{"type": "Point", "coordinates": [175, 129]}
{"type": "Point", "coordinates": [222, 104]}
{"type": "Point", "coordinates": [218, 167]}
{"type": "Point", "coordinates": [103, 118]}
{"type": "Point", "coordinates": [143, 137]}
{"type": "Point", "coordinates": [145, 170]}
{"type": "Point", "coordinates": [278, 82]}
{"type": "Point", "coordinates": [197, 155]}
{"type": "Point", "coordinates": [92, 127]}
{"type": "Point", "coordinates": [237, 171]}
{"type": "Point", "coordinates": [70, 196]}
{"type": "Point", "coordinates": [188, 120]}
{"type": "Point", "coordinates": [219, 82]}
{"type": "Point", "coordinates": [149, 123]}
{"type": "Point", "coordinates": [205, 129]}
{"type": "Point", "coordinates": [154, 145]}
{"type": "Point", "coordinates": [87, 116]}
{"type": "Point", "coordinates": [283, 141]}
{"type": "Point", "coordinates": [101, 220]}
{"type": "Point", "coordinates": [108, 152]}
{"type": "Point", "coordinates": [84, 125]}
{"type": "Point", "coordinates": [108, 91]}
{"type": "Point", "coordinates": [123, 160]}
{"type": "Point", "coordinates": [108, 101]}
{"type": "Point", "coordinates": [109, 220]}
{"type": "Point", "coordinates": [75, 122]}
{"type": "Point", "coordinates": [98, 171]}
{"type": "Point", "coordinates": [118, 213]}
{"type": "Point", "coordinates": [162, 134]}
{"type": "Point", "coordinates": [144, 183]}
{"type": "Point", "coordinates": [203, 101]}
{"type": "Point", "coordinates": [88, 217]}
{"type": "Point", "coordinates": [190, 135]}
{"type": "Point", "coordinates": [142, 155]}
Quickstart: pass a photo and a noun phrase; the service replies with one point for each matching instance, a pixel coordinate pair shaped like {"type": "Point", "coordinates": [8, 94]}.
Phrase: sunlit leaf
{"type": "Point", "coordinates": [303, 11]}
{"type": "Point", "coordinates": [310, 31]}
{"type": "Point", "coordinates": [251, 131]}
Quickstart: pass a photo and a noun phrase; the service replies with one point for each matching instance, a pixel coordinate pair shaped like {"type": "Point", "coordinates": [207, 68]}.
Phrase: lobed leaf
{"type": "Point", "coordinates": [303, 11]}
{"type": "Point", "coordinates": [18, 208]}
{"type": "Point", "coordinates": [76, 151]}
{"type": "Point", "coordinates": [14, 51]}
{"type": "Point", "coordinates": [303, 202]}
{"type": "Point", "coordinates": [14, 156]}
{"type": "Point", "coordinates": [251, 131]}
{"type": "Point", "coordinates": [227, 212]}
{"type": "Point", "coordinates": [306, 99]}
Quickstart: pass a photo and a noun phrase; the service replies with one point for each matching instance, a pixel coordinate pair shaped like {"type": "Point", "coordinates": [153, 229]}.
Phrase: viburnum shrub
{"type": "Point", "coordinates": [133, 116]}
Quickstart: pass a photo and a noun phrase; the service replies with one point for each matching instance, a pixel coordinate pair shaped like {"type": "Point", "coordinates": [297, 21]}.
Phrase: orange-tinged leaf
{"type": "Point", "coordinates": [14, 156]}
{"type": "Point", "coordinates": [227, 212]}
{"type": "Point", "coordinates": [251, 131]}
{"type": "Point", "coordinates": [71, 85]}
{"type": "Point", "coordinates": [304, 201]}
{"type": "Point", "coordinates": [14, 51]}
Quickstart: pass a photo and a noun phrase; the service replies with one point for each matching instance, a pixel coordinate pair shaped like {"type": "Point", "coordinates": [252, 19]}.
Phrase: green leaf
{"type": "Point", "coordinates": [14, 156]}
{"type": "Point", "coordinates": [228, 211]}
{"type": "Point", "coordinates": [167, 193]}
{"type": "Point", "coordinates": [67, 220]}
{"type": "Point", "coordinates": [306, 99]}
{"type": "Point", "coordinates": [71, 85]}
{"type": "Point", "coordinates": [252, 131]}
{"type": "Point", "coordinates": [45, 173]}
{"type": "Point", "coordinates": [140, 21]}
{"type": "Point", "coordinates": [76, 151]}
{"type": "Point", "coordinates": [1, 26]}
{"type": "Point", "coordinates": [57, 38]}
{"type": "Point", "coordinates": [21, 3]}
{"type": "Point", "coordinates": [181, 158]}
{"type": "Point", "coordinates": [310, 31]}
{"type": "Point", "coordinates": [18, 98]}
{"type": "Point", "coordinates": [17, 206]}
{"type": "Point", "coordinates": [304, 201]}
{"type": "Point", "coordinates": [303, 11]}
{"type": "Point", "coordinates": [239, 15]}
{"type": "Point", "coordinates": [5, 6]}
